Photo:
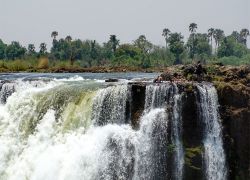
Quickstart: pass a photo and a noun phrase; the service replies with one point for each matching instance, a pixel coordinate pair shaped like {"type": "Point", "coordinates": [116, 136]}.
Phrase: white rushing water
{"type": "Point", "coordinates": [74, 129]}
{"type": "Point", "coordinates": [110, 105]}
{"type": "Point", "coordinates": [167, 96]}
{"type": "Point", "coordinates": [44, 136]}
{"type": "Point", "coordinates": [215, 160]}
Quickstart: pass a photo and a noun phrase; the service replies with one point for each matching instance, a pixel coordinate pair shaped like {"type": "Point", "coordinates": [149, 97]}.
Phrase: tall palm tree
{"type": "Point", "coordinates": [114, 42]}
{"type": "Point", "coordinates": [165, 33]}
{"type": "Point", "coordinates": [218, 37]}
{"type": "Point", "coordinates": [244, 33]}
{"type": "Point", "coordinates": [192, 29]}
{"type": "Point", "coordinates": [54, 34]}
{"type": "Point", "coordinates": [210, 35]}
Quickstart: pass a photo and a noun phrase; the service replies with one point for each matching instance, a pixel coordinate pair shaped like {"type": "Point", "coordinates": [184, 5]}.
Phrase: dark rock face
{"type": "Point", "coordinates": [138, 91]}
{"type": "Point", "coordinates": [235, 114]}
{"type": "Point", "coordinates": [234, 110]}
{"type": "Point", "coordinates": [192, 137]}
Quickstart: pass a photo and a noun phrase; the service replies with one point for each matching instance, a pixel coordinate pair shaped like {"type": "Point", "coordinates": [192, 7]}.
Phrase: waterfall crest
{"type": "Point", "coordinates": [110, 105]}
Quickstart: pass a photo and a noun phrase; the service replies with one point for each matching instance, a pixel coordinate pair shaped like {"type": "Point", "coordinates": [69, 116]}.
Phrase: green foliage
{"type": "Point", "coordinates": [68, 53]}
{"type": "Point", "coordinates": [230, 47]}
{"type": "Point", "coordinates": [14, 51]}
{"type": "Point", "coordinates": [176, 46]}
{"type": "Point", "coordinates": [114, 42]}
{"type": "Point", "coordinates": [2, 49]}
{"type": "Point", "coordinates": [171, 148]}
{"type": "Point", "coordinates": [235, 61]}
{"type": "Point", "coordinates": [198, 45]}
{"type": "Point", "coordinates": [190, 154]}
{"type": "Point", "coordinates": [43, 48]}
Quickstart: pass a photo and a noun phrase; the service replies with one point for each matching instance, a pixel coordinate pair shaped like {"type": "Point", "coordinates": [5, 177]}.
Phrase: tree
{"type": "Point", "coordinates": [236, 36]}
{"type": "Point", "coordinates": [176, 46]}
{"type": "Point", "coordinates": [192, 29]}
{"type": "Point", "coordinates": [244, 33]}
{"type": "Point", "coordinates": [210, 35]}
{"type": "Point", "coordinates": [145, 46]}
{"type": "Point", "coordinates": [43, 48]}
{"type": "Point", "coordinates": [166, 32]}
{"type": "Point", "coordinates": [201, 46]}
{"type": "Point", "coordinates": [218, 37]}
{"type": "Point", "coordinates": [68, 38]}
{"type": "Point", "coordinates": [93, 50]}
{"type": "Point", "coordinates": [54, 34]}
{"type": "Point", "coordinates": [2, 49]}
{"type": "Point", "coordinates": [229, 47]}
{"type": "Point", "coordinates": [114, 42]}
{"type": "Point", "coordinates": [31, 48]}
{"type": "Point", "coordinates": [14, 50]}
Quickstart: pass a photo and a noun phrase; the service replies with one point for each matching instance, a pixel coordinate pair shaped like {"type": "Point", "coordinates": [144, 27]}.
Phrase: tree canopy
{"type": "Point", "coordinates": [141, 52]}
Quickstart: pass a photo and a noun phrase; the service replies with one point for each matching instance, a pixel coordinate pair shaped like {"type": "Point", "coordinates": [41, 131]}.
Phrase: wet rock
{"type": "Point", "coordinates": [138, 91]}
{"type": "Point", "coordinates": [111, 80]}
{"type": "Point", "coordinates": [192, 135]}
{"type": "Point", "coordinates": [235, 113]}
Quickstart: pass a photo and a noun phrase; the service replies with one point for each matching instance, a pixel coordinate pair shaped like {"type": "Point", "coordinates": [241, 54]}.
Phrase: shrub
{"type": "Point", "coordinates": [43, 63]}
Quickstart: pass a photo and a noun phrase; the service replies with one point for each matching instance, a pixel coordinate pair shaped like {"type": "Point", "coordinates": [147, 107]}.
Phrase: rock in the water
{"type": "Point", "coordinates": [111, 80]}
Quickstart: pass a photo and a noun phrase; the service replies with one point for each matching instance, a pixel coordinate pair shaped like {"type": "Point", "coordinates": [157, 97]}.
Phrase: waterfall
{"type": "Point", "coordinates": [156, 96]}
{"type": "Point", "coordinates": [81, 130]}
{"type": "Point", "coordinates": [215, 163]}
{"type": "Point", "coordinates": [57, 145]}
{"type": "Point", "coordinates": [167, 96]}
{"type": "Point", "coordinates": [110, 105]}
{"type": "Point", "coordinates": [176, 136]}
{"type": "Point", "coordinates": [151, 154]}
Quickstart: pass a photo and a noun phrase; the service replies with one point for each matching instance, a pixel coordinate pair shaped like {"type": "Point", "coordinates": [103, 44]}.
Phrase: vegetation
{"type": "Point", "coordinates": [191, 154]}
{"type": "Point", "coordinates": [211, 47]}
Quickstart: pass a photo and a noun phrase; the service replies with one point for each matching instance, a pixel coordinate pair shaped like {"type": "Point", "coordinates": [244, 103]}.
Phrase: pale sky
{"type": "Point", "coordinates": [32, 21]}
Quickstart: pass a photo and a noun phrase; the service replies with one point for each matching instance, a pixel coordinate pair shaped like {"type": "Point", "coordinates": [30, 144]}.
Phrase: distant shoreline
{"type": "Point", "coordinates": [117, 69]}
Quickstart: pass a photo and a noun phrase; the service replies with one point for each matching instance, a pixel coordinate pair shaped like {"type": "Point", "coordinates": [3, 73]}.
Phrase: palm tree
{"type": "Point", "coordinates": [54, 34]}
{"type": "Point", "coordinates": [192, 29]}
{"type": "Point", "coordinates": [210, 35]}
{"type": "Point", "coordinates": [114, 42]}
{"type": "Point", "coordinates": [236, 36]}
{"type": "Point", "coordinates": [166, 32]}
{"type": "Point", "coordinates": [68, 38]}
{"type": "Point", "coordinates": [244, 33]}
{"type": "Point", "coordinates": [218, 37]}
{"type": "Point", "coordinates": [43, 48]}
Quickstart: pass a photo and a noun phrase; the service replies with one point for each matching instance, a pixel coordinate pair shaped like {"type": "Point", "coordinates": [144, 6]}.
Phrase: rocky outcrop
{"type": "Point", "coordinates": [233, 88]}
{"type": "Point", "coordinates": [235, 113]}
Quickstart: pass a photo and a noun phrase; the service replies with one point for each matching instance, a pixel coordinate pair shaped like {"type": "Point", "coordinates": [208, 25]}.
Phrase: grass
{"type": "Point", "coordinates": [43, 64]}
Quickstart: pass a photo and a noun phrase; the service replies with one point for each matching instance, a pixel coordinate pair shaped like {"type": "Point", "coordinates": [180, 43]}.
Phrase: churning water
{"type": "Point", "coordinates": [78, 129]}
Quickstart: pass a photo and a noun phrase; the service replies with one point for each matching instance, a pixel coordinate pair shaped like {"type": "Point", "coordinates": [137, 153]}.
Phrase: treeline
{"type": "Point", "coordinates": [212, 46]}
